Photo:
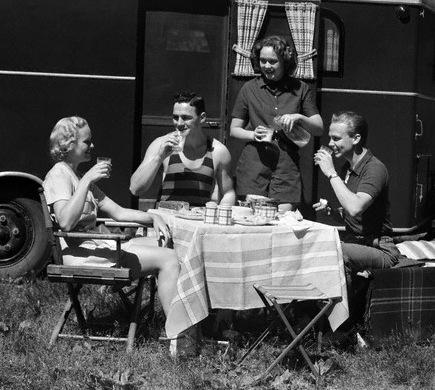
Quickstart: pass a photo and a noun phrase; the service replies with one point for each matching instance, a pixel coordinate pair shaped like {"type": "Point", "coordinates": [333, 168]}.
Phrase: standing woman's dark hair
{"type": "Point", "coordinates": [282, 48]}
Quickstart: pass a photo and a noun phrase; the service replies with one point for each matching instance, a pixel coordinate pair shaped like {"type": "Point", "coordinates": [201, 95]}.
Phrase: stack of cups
{"type": "Point", "coordinates": [266, 211]}
{"type": "Point", "coordinates": [224, 215]}
{"type": "Point", "coordinates": [211, 215]}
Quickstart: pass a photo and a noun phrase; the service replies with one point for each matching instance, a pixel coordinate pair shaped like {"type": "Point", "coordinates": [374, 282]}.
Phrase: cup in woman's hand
{"type": "Point", "coordinates": [268, 134]}
{"type": "Point", "coordinates": [107, 160]}
{"type": "Point", "coordinates": [265, 135]}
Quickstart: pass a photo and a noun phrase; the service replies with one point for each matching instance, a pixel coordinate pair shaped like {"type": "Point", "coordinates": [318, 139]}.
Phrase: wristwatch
{"type": "Point", "coordinates": [332, 176]}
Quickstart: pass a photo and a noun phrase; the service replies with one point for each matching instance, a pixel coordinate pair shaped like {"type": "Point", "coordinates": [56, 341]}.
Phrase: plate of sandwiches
{"type": "Point", "coordinates": [195, 213]}
{"type": "Point", "coordinates": [251, 220]}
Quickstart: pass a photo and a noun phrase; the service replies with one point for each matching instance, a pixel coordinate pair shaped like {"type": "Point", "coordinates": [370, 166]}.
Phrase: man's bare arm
{"type": "Point", "coordinates": [157, 152]}
{"type": "Point", "coordinates": [223, 176]}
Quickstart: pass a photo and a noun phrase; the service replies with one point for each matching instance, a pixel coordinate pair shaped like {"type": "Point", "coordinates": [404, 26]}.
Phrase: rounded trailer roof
{"type": "Point", "coordinates": [429, 4]}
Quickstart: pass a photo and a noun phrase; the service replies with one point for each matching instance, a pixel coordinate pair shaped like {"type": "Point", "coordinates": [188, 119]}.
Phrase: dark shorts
{"type": "Point", "coordinates": [269, 169]}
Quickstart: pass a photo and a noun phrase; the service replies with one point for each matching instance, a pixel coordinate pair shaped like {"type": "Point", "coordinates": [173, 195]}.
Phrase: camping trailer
{"type": "Point", "coordinates": [119, 63]}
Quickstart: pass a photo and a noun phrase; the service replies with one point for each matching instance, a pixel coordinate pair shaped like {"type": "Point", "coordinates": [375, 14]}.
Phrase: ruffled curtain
{"type": "Point", "coordinates": [250, 17]}
{"type": "Point", "coordinates": [301, 18]}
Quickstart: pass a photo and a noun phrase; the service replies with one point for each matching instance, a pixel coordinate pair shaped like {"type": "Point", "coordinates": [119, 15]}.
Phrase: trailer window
{"type": "Point", "coordinates": [183, 51]}
{"type": "Point", "coordinates": [332, 31]}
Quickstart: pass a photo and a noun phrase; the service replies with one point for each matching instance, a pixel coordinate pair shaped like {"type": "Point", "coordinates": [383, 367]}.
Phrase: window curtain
{"type": "Point", "coordinates": [301, 18]}
{"type": "Point", "coordinates": [250, 17]}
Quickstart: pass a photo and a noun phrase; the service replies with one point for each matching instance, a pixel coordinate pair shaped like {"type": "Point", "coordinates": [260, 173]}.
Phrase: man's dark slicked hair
{"type": "Point", "coordinates": [193, 99]}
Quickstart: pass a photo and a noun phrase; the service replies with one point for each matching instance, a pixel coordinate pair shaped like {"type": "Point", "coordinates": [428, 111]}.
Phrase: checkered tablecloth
{"type": "Point", "coordinates": [219, 265]}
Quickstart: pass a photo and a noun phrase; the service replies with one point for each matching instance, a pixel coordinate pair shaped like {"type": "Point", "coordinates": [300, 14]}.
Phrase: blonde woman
{"type": "Point", "coordinates": [75, 199]}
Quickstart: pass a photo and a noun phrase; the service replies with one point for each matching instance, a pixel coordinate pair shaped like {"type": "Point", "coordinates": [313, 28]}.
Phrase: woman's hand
{"type": "Point", "coordinates": [324, 160]}
{"type": "Point", "coordinates": [99, 171]}
{"type": "Point", "coordinates": [263, 134]}
{"type": "Point", "coordinates": [161, 228]}
{"type": "Point", "coordinates": [287, 121]}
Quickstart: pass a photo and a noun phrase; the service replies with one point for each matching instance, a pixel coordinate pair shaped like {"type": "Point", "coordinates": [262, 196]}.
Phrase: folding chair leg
{"type": "Point", "coordinates": [153, 288]}
{"type": "Point", "coordinates": [135, 315]}
{"type": "Point", "coordinates": [125, 300]}
{"type": "Point", "coordinates": [59, 326]}
{"type": "Point", "coordinates": [73, 293]}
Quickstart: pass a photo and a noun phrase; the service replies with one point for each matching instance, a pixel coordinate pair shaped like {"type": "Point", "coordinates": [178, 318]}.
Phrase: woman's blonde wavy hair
{"type": "Point", "coordinates": [64, 136]}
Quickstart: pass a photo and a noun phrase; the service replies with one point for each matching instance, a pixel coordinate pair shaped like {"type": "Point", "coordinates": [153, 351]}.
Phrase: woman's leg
{"type": "Point", "coordinates": [145, 259]}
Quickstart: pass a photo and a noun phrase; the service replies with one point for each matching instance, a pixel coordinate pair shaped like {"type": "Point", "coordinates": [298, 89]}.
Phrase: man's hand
{"type": "Point", "coordinates": [322, 205]}
{"type": "Point", "coordinates": [169, 141]}
{"type": "Point", "coordinates": [324, 160]}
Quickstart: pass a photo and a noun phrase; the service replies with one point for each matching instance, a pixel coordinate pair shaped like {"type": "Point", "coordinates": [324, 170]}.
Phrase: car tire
{"type": "Point", "coordinates": [24, 244]}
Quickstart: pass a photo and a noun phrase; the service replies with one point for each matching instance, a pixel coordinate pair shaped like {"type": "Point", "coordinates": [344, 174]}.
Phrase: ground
{"type": "Point", "coordinates": [28, 311]}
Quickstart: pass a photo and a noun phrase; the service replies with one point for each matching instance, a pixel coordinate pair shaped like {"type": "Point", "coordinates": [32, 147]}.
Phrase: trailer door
{"type": "Point", "coordinates": [185, 48]}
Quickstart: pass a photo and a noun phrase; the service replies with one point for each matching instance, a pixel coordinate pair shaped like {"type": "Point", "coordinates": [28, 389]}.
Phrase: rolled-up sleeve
{"type": "Point", "coordinates": [374, 179]}
{"type": "Point", "coordinates": [57, 186]}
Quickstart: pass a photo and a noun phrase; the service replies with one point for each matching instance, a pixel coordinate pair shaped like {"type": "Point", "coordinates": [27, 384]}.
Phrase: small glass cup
{"type": "Point", "coordinates": [211, 213]}
{"type": "Point", "coordinates": [106, 160]}
{"type": "Point", "coordinates": [180, 138]}
{"type": "Point", "coordinates": [224, 215]}
{"type": "Point", "coordinates": [327, 149]}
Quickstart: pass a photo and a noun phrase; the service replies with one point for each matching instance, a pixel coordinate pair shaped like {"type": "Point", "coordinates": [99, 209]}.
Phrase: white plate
{"type": "Point", "coordinates": [194, 217]}
{"type": "Point", "coordinates": [251, 222]}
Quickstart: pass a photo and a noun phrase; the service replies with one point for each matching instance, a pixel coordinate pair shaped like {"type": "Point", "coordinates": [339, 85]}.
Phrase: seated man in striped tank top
{"type": "Point", "coordinates": [199, 172]}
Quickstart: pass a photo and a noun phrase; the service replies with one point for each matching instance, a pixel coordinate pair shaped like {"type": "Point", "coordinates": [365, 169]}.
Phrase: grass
{"type": "Point", "coordinates": [28, 312]}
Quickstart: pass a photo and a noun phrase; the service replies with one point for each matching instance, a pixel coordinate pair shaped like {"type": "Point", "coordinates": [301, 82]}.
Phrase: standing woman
{"type": "Point", "coordinates": [269, 163]}
{"type": "Point", "coordinates": [75, 200]}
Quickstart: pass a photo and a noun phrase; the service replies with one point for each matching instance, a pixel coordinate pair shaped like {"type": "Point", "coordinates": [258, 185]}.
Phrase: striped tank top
{"type": "Point", "coordinates": [190, 185]}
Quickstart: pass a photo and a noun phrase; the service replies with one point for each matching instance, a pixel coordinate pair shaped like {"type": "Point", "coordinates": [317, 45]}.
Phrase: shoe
{"type": "Point", "coordinates": [186, 344]}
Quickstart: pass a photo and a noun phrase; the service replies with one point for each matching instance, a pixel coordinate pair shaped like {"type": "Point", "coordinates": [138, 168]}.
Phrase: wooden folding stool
{"type": "Point", "coordinates": [277, 296]}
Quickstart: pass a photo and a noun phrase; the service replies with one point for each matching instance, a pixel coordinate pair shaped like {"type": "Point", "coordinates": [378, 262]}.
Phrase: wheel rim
{"type": "Point", "coordinates": [16, 233]}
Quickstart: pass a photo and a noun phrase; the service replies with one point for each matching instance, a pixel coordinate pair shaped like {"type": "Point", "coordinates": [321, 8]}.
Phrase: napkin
{"type": "Point", "coordinates": [294, 220]}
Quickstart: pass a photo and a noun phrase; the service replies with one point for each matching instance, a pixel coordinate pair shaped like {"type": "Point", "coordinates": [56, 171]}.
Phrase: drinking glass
{"type": "Point", "coordinates": [180, 138]}
{"type": "Point", "coordinates": [107, 160]}
{"type": "Point", "coordinates": [327, 149]}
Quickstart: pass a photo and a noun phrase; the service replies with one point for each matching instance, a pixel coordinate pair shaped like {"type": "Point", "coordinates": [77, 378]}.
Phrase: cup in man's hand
{"type": "Point", "coordinates": [181, 138]}
{"type": "Point", "coordinates": [327, 149]}
{"type": "Point", "coordinates": [107, 160]}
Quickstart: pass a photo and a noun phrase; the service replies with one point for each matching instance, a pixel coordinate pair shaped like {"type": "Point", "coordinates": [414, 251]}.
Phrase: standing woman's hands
{"type": "Point", "coordinates": [263, 134]}
{"type": "Point", "coordinates": [288, 121]}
